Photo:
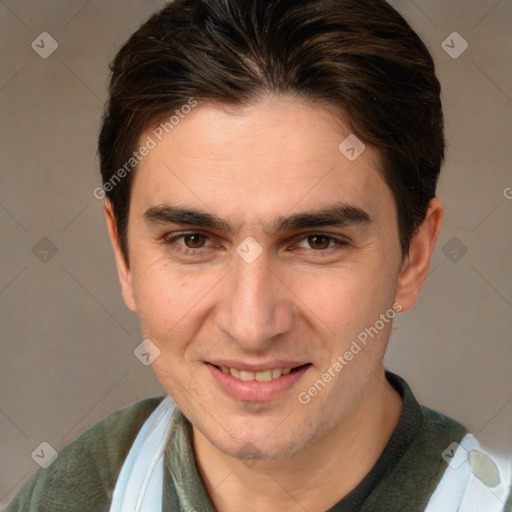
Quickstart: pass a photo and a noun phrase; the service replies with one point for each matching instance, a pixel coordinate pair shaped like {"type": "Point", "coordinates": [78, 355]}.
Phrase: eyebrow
{"type": "Point", "coordinates": [338, 215]}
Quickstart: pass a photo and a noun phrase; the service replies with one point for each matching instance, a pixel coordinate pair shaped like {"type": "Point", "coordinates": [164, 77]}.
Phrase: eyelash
{"type": "Point", "coordinates": [171, 240]}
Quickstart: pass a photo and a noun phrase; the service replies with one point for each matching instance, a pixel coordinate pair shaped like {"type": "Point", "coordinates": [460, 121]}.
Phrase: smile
{"type": "Point", "coordinates": [257, 384]}
{"type": "Point", "coordinates": [263, 376]}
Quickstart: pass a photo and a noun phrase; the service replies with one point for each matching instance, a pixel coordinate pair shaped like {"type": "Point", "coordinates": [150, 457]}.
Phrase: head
{"type": "Point", "coordinates": [226, 120]}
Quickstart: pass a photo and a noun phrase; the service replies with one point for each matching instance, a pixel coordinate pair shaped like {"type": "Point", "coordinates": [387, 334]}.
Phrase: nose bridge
{"type": "Point", "coordinates": [253, 310]}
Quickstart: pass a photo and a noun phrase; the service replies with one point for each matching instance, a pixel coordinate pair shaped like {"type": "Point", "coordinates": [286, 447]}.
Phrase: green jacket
{"type": "Point", "coordinates": [84, 475]}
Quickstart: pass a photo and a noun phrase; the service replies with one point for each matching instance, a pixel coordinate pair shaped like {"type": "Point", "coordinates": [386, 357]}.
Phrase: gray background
{"type": "Point", "coordinates": [67, 339]}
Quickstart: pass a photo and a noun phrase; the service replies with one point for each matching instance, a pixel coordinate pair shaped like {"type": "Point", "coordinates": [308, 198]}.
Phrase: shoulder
{"type": "Point", "coordinates": [433, 431]}
{"type": "Point", "coordinates": [428, 435]}
{"type": "Point", "coordinates": [83, 476]}
{"type": "Point", "coordinates": [439, 431]}
{"type": "Point", "coordinates": [428, 455]}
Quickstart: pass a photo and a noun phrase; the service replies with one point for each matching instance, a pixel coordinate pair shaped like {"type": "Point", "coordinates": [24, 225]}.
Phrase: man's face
{"type": "Point", "coordinates": [265, 287]}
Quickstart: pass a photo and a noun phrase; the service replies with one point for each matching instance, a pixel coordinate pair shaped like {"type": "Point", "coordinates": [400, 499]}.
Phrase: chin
{"type": "Point", "coordinates": [252, 449]}
{"type": "Point", "coordinates": [258, 440]}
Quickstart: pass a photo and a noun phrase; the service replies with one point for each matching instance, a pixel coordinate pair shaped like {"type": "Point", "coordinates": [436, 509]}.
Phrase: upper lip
{"type": "Point", "coordinates": [257, 367]}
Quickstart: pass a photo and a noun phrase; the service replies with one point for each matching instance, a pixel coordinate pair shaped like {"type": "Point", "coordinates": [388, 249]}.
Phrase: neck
{"type": "Point", "coordinates": [316, 477]}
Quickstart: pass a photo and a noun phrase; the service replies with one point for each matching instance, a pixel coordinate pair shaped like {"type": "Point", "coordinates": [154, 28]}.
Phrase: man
{"type": "Point", "coordinates": [270, 172]}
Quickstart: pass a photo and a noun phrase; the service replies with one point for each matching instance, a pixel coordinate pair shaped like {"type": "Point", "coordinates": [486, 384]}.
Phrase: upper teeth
{"type": "Point", "coordinates": [259, 376]}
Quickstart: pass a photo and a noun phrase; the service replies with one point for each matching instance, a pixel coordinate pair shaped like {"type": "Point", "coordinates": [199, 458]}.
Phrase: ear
{"type": "Point", "coordinates": [123, 270]}
{"type": "Point", "coordinates": [417, 262]}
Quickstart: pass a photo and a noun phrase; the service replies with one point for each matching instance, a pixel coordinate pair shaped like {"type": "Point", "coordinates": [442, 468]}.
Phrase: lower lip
{"type": "Point", "coordinates": [255, 391]}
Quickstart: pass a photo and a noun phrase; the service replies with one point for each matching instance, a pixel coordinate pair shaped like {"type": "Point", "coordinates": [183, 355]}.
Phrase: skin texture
{"type": "Point", "coordinates": [302, 299]}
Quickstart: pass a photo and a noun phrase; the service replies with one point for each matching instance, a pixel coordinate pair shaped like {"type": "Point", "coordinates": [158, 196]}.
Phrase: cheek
{"type": "Point", "coordinates": [167, 299]}
{"type": "Point", "coordinates": [344, 302]}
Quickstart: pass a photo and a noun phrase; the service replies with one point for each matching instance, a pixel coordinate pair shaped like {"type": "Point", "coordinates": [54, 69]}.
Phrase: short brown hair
{"type": "Point", "coordinates": [359, 56]}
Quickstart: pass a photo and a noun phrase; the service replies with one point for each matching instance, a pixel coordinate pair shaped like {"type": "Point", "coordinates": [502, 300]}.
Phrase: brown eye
{"type": "Point", "coordinates": [188, 244]}
{"type": "Point", "coordinates": [321, 244]}
{"type": "Point", "coordinates": [194, 241]}
{"type": "Point", "coordinates": [318, 241]}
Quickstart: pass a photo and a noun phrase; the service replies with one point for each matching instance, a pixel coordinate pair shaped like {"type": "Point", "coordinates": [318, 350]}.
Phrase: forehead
{"type": "Point", "coordinates": [271, 155]}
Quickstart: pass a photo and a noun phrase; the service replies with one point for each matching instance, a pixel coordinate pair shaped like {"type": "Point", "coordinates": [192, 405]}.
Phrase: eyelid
{"type": "Point", "coordinates": [172, 238]}
{"type": "Point", "coordinates": [338, 238]}
{"type": "Point", "coordinates": [300, 236]}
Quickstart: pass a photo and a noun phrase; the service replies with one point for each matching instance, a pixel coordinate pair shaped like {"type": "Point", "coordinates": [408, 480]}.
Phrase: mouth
{"type": "Point", "coordinates": [257, 384]}
{"type": "Point", "coordinates": [260, 376]}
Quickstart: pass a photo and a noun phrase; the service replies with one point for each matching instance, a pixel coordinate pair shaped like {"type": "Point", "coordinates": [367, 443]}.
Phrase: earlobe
{"type": "Point", "coordinates": [123, 270]}
{"type": "Point", "coordinates": [416, 265]}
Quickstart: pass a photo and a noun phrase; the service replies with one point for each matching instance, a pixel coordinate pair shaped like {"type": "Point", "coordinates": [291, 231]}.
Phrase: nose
{"type": "Point", "coordinates": [255, 307]}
